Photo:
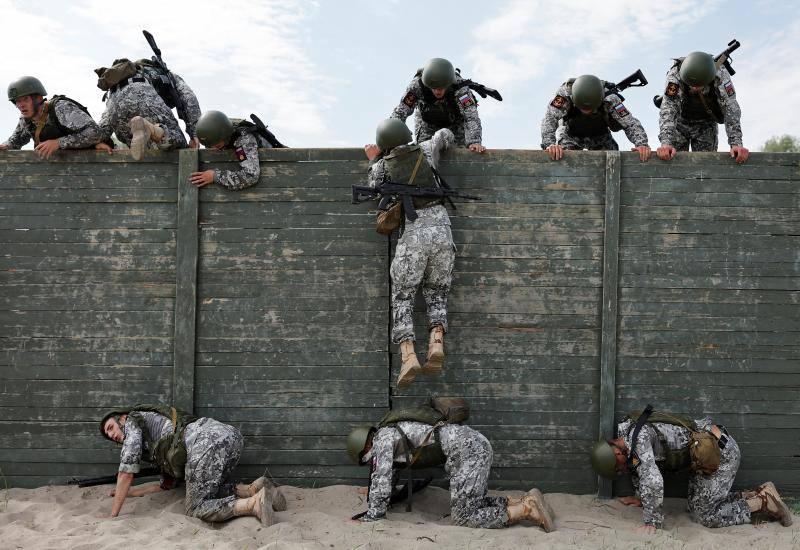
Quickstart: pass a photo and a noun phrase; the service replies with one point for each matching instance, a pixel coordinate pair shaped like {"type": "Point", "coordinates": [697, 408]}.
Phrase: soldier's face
{"type": "Point", "coordinates": [113, 430]}
{"type": "Point", "coordinates": [219, 146]}
{"type": "Point", "coordinates": [26, 105]}
{"type": "Point", "coordinates": [438, 93]}
{"type": "Point", "coordinates": [696, 89]}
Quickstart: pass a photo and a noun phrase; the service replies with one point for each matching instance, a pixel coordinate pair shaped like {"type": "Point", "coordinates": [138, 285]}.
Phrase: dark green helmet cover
{"type": "Point", "coordinates": [213, 127]}
{"type": "Point", "coordinates": [698, 69]}
{"type": "Point", "coordinates": [587, 92]}
{"type": "Point", "coordinates": [390, 133]}
{"type": "Point", "coordinates": [438, 73]}
{"type": "Point", "coordinates": [25, 85]}
{"type": "Point", "coordinates": [357, 440]}
{"type": "Point", "coordinates": [604, 461]}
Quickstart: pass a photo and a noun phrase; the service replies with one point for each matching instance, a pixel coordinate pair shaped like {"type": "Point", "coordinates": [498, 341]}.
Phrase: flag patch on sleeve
{"type": "Point", "coordinates": [240, 154]}
{"type": "Point", "coordinates": [621, 110]}
{"type": "Point", "coordinates": [729, 87]}
{"type": "Point", "coordinates": [466, 100]}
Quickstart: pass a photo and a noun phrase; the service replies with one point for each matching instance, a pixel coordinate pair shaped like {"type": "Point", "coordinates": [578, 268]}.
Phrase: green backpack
{"type": "Point", "coordinates": [167, 452]}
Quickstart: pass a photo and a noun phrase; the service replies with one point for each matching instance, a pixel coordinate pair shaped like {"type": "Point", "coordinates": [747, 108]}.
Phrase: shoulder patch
{"type": "Point", "coordinates": [559, 101]}
{"type": "Point", "coordinates": [240, 154]}
{"type": "Point", "coordinates": [466, 100]}
{"type": "Point", "coordinates": [728, 85]}
{"type": "Point", "coordinates": [621, 110]}
{"type": "Point", "coordinates": [410, 99]}
{"type": "Point", "coordinates": [672, 89]}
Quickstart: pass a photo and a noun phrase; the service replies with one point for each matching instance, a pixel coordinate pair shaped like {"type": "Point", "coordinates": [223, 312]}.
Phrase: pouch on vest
{"type": "Point", "coordinates": [111, 76]}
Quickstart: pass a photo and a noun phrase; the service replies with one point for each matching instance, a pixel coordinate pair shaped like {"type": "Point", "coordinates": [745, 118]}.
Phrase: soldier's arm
{"type": "Point", "coordinates": [630, 124]}
{"type": "Point", "coordinates": [377, 173]}
{"type": "Point", "coordinates": [106, 123]}
{"type": "Point", "coordinates": [468, 105]}
{"type": "Point", "coordinates": [380, 487]}
{"type": "Point", "coordinates": [189, 99]}
{"type": "Point", "coordinates": [670, 109]}
{"type": "Point", "coordinates": [85, 131]}
{"type": "Point", "coordinates": [246, 149]}
{"type": "Point", "coordinates": [443, 139]}
{"type": "Point", "coordinates": [731, 110]}
{"type": "Point", "coordinates": [651, 483]}
{"type": "Point", "coordinates": [409, 101]}
{"type": "Point", "coordinates": [556, 110]}
{"type": "Point", "coordinates": [19, 136]}
{"type": "Point", "coordinates": [131, 453]}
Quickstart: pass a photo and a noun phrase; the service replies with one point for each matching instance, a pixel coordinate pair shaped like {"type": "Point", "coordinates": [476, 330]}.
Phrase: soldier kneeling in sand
{"type": "Point", "coordinates": [430, 435]}
{"type": "Point", "coordinates": [201, 450]}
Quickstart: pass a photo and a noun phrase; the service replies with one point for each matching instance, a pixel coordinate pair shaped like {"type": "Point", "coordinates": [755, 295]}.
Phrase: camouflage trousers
{"type": "Point", "coordinates": [594, 143]}
{"type": "Point", "coordinates": [469, 460]}
{"type": "Point", "coordinates": [425, 255]}
{"type": "Point", "coordinates": [213, 451]}
{"type": "Point", "coordinates": [701, 135]}
{"type": "Point", "coordinates": [424, 131]}
{"type": "Point", "coordinates": [710, 500]}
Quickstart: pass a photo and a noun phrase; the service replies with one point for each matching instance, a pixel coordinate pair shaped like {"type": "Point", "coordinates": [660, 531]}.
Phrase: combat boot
{"type": "Point", "coordinates": [771, 504]}
{"type": "Point", "coordinates": [532, 507]}
{"type": "Point", "coordinates": [410, 366]}
{"type": "Point", "coordinates": [258, 505]}
{"type": "Point", "coordinates": [435, 357]}
{"type": "Point", "coordinates": [278, 498]}
{"type": "Point", "coordinates": [143, 132]}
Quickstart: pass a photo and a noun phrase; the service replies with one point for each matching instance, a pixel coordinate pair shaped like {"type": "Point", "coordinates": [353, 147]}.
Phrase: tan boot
{"type": "Point", "coordinates": [435, 357]}
{"type": "Point", "coordinates": [278, 498]}
{"type": "Point", "coordinates": [258, 505]}
{"type": "Point", "coordinates": [771, 504]}
{"type": "Point", "coordinates": [532, 507]}
{"type": "Point", "coordinates": [142, 133]}
{"type": "Point", "coordinates": [410, 366]}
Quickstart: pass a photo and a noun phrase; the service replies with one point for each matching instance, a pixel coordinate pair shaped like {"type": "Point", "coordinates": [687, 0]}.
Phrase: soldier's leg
{"type": "Point", "coordinates": [710, 500]}
{"type": "Point", "coordinates": [215, 453]}
{"type": "Point", "coordinates": [469, 460]}
{"type": "Point", "coordinates": [460, 135]}
{"type": "Point", "coordinates": [422, 130]}
{"type": "Point", "coordinates": [407, 270]}
{"type": "Point", "coordinates": [571, 143]}
{"type": "Point", "coordinates": [680, 138]}
{"type": "Point", "coordinates": [438, 276]}
{"type": "Point", "coordinates": [705, 137]}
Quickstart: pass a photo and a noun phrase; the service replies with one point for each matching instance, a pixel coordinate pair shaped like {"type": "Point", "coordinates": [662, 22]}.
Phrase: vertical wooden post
{"type": "Point", "coordinates": [608, 339]}
{"type": "Point", "coordinates": [186, 283]}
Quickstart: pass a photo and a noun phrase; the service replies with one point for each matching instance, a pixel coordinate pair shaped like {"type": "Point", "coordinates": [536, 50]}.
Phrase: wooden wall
{"type": "Point", "coordinates": [582, 289]}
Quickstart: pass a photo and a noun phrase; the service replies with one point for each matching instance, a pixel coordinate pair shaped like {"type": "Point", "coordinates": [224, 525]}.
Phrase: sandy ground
{"type": "Point", "coordinates": [69, 517]}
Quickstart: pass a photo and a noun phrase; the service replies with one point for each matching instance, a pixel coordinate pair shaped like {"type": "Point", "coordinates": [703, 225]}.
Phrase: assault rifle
{"type": "Point", "coordinates": [480, 89]}
{"type": "Point", "coordinates": [400, 494]}
{"type": "Point", "coordinates": [636, 80]}
{"type": "Point", "coordinates": [166, 80]}
{"type": "Point", "coordinates": [391, 192]}
{"type": "Point", "coordinates": [104, 480]}
{"type": "Point", "coordinates": [721, 60]}
{"type": "Point", "coordinates": [269, 136]}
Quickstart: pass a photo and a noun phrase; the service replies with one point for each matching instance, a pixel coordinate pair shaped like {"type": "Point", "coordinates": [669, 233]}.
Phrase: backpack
{"type": "Point", "coordinates": [702, 455]}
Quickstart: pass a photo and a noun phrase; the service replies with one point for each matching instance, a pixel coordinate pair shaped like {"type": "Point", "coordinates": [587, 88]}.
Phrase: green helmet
{"type": "Point", "coordinates": [391, 133]}
{"type": "Point", "coordinates": [213, 127]}
{"type": "Point", "coordinates": [25, 85]}
{"type": "Point", "coordinates": [438, 73]}
{"type": "Point", "coordinates": [587, 92]}
{"type": "Point", "coordinates": [357, 440]}
{"type": "Point", "coordinates": [604, 461]}
{"type": "Point", "coordinates": [698, 69]}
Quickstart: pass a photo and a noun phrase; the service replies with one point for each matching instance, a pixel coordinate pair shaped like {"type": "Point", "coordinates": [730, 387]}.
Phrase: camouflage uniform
{"type": "Point", "coordinates": [457, 110]}
{"type": "Point", "coordinates": [213, 450]}
{"type": "Point", "coordinates": [469, 459]}
{"type": "Point", "coordinates": [245, 144]}
{"type": "Point", "coordinates": [425, 253]}
{"type": "Point", "coordinates": [139, 98]}
{"type": "Point", "coordinates": [82, 132]}
{"type": "Point", "coordinates": [688, 119]}
{"type": "Point", "coordinates": [184, 92]}
{"type": "Point", "coordinates": [612, 115]}
{"type": "Point", "coordinates": [710, 501]}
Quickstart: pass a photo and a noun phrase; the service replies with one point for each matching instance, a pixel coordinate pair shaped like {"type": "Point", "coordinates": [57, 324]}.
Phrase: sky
{"type": "Point", "coordinates": [325, 73]}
